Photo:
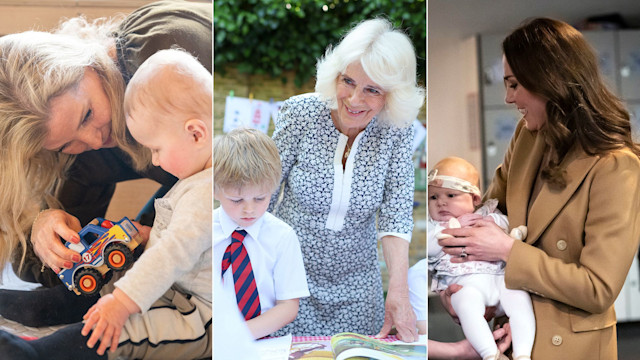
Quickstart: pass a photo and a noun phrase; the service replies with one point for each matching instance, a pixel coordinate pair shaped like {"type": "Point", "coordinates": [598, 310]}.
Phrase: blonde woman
{"type": "Point", "coordinates": [61, 96]}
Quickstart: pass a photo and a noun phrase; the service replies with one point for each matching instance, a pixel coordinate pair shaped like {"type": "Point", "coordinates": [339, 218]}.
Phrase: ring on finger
{"type": "Point", "coordinates": [463, 253]}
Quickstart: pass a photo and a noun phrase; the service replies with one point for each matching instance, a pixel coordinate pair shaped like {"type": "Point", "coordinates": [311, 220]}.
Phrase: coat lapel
{"type": "Point", "coordinates": [550, 200]}
{"type": "Point", "coordinates": [527, 155]}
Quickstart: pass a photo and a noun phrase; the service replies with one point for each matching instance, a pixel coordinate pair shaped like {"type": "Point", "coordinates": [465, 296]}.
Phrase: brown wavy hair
{"type": "Point", "coordinates": [552, 59]}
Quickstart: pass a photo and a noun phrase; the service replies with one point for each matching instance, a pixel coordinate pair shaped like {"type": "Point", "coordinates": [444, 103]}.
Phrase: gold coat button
{"type": "Point", "coordinates": [556, 340]}
{"type": "Point", "coordinates": [561, 245]}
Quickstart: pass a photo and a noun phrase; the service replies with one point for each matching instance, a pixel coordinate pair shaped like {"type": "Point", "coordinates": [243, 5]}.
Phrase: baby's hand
{"type": "Point", "coordinates": [106, 318]}
{"type": "Point", "coordinates": [453, 224]}
{"type": "Point", "coordinates": [469, 219]}
{"type": "Point", "coordinates": [519, 233]}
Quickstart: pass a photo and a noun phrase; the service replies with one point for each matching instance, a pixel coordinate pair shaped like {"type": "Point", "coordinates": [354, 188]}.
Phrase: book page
{"type": "Point", "coordinates": [274, 348]}
{"type": "Point", "coordinates": [350, 345]}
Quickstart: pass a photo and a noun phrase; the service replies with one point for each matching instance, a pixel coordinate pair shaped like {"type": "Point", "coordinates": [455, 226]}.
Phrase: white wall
{"type": "Point", "coordinates": [452, 84]}
{"type": "Point", "coordinates": [452, 60]}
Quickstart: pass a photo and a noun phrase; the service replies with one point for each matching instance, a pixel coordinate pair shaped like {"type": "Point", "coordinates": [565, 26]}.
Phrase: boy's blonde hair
{"type": "Point", "coordinates": [245, 157]}
{"type": "Point", "coordinates": [173, 85]}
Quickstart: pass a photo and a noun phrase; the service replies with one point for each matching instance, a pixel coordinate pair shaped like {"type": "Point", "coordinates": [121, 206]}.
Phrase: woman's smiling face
{"type": "Point", "coordinates": [532, 107]}
{"type": "Point", "coordinates": [80, 118]}
{"type": "Point", "coordinates": [359, 99]}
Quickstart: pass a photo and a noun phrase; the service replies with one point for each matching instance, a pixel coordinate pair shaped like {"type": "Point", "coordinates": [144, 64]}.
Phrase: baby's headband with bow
{"type": "Point", "coordinates": [451, 182]}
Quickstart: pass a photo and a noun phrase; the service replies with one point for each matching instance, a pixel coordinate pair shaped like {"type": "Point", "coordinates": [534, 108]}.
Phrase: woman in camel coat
{"type": "Point", "coordinates": [570, 175]}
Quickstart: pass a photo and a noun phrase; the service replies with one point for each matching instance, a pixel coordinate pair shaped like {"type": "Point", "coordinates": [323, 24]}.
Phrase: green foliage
{"type": "Point", "coordinates": [272, 36]}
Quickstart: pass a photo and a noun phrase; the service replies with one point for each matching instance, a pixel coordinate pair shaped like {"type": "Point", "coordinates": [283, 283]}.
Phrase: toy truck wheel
{"type": "Point", "coordinates": [118, 256]}
{"type": "Point", "coordinates": [88, 281]}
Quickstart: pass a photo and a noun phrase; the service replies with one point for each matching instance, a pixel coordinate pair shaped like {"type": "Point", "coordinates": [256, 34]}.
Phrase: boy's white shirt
{"type": "Point", "coordinates": [276, 257]}
{"type": "Point", "coordinates": [178, 252]}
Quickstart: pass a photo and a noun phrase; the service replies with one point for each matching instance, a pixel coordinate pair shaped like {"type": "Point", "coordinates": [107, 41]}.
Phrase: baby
{"type": "Point", "coordinates": [161, 307]}
{"type": "Point", "coordinates": [455, 201]}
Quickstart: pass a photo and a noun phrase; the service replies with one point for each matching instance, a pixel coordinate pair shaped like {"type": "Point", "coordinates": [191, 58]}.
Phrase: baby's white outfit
{"type": "Point", "coordinates": [482, 285]}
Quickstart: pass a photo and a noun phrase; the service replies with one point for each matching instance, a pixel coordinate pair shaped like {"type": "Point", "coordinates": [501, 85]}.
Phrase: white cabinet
{"type": "Point", "coordinates": [492, 73]}
{"type": "Point", "coordinates": [628, 302]}
{"type": "Point", "coordinates": [604, 43]}
{"type": "Point", "coordinates": [500, 124]}
{"type": "Point", "coordinates": [629, 66]}
{"type": "Point", "coordinates": [634, 111]}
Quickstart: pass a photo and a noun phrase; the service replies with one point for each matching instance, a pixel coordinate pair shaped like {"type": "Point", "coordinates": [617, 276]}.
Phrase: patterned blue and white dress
{"type": "Point", "coordinates": [335, 212]}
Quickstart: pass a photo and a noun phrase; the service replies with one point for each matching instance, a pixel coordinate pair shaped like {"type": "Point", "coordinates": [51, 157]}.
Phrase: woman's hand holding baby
{"type": "Point", "coordinates": [445, 299]}
{"type": "Point", "coordinates": [469, 219]}
{"type": "Point", "coordinates": [485, 241]}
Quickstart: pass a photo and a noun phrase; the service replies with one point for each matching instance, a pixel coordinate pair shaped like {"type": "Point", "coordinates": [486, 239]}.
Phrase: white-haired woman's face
{"type": "Point", "coordinates": [80, 118]}
{"type": "Point", "coordinates": [359, 99]}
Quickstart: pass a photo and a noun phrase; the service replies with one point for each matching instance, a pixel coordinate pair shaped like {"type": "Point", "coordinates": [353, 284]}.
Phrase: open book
{"type": "Point", "coordinates": [347, 346]}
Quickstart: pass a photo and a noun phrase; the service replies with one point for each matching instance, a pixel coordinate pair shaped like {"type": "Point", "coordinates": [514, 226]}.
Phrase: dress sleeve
{"type": "Point", "coordinates": [175, 250]}
{"type": "Point", "coordinates": [610, 239]}
{"type": "Point", "coordinates": [287, 129]}
{"type": "Point", "coordinates": [396, 212]}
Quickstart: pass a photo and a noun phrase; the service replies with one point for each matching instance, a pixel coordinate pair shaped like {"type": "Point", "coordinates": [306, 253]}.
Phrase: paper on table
{"type": "Point", "coordinates": [422, 340]}
{"type": "Point", "coordinates": [274, 348]}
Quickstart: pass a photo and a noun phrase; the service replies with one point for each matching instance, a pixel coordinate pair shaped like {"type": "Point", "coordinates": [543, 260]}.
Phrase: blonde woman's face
{"type": "Point", "coordinates": [80, 118]}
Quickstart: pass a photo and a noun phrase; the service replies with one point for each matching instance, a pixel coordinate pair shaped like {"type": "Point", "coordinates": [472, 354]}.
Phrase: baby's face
{"type": "Point", "coordinates": [446, 203]}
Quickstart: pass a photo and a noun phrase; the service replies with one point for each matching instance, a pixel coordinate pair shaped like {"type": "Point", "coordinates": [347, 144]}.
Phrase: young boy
{"type": "Point", "coordinates": [455, 200]}
{"type": "Point", "coordinates": [247, 171]}
{"type": "Point", "coordinates": [161, 307]}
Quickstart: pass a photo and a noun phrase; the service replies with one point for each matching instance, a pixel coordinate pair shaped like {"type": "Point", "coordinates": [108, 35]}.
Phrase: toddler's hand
{"type": "Point", "coordinates": [106, 318]}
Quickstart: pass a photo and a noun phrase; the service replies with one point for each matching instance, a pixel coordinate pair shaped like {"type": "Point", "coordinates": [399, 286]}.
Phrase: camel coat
{"type": "Point", "coordinates": [580, 244]}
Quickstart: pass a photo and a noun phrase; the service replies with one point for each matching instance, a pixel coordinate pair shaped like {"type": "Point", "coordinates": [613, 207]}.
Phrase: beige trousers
{"type": "Point", "coordinates": [177, 326]}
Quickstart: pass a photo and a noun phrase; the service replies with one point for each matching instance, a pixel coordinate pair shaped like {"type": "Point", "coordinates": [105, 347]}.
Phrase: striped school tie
{"type": "Point", "coordinates": [246, 291]}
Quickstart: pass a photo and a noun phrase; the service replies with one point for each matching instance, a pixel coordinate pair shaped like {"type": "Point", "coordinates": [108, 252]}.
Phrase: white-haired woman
{"type": "Point", "coordinates": [348, 182]}
{"type": "Point", "coordinates": [61, 95]}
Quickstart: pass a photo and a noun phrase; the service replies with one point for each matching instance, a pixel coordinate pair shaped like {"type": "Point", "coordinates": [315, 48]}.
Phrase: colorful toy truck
{"type": "Point", "coordinates": [103, 246]}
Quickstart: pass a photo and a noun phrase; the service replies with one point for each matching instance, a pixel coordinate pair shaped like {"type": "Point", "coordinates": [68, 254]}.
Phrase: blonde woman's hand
{"type": "Point", "coordinates": [144, 232]}
{"type": "Point", "coordinates": [47, 229]}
